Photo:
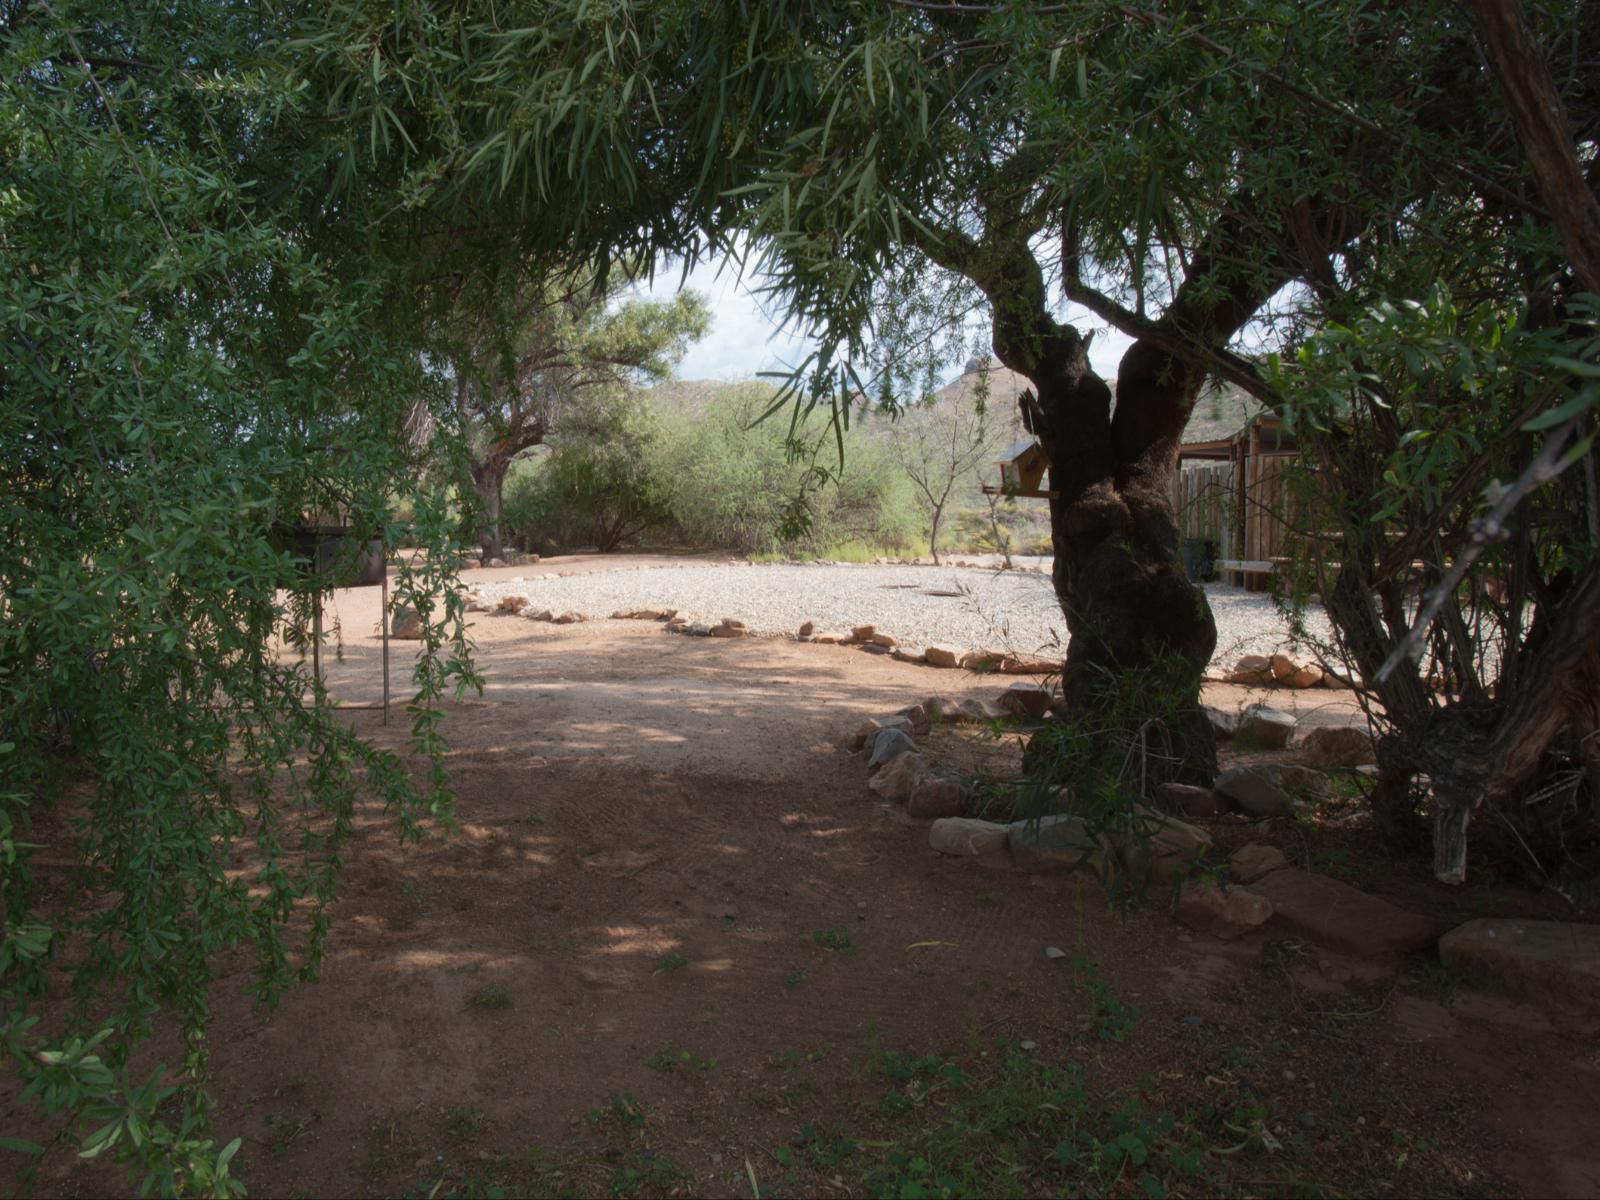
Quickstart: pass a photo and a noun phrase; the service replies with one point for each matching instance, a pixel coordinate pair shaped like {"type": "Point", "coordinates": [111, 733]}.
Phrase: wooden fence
{"type": "Point", "coordinates": [1247, 528]}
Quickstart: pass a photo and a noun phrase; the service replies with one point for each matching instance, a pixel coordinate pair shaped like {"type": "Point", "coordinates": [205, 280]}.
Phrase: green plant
{"type": "Point", "coordinates": [794, 979]}
{"type": "Point", "coordinates": [1110, 1018]}
{"type": "Point", "coordinates": [670, 962]}
{"type": "Point", "coordinates": [675, 1058]}
{"type": "Point", "coordinates": [836, 940]}
{"type": "Point", "coordinates": [621, 1111]}
{"type": "Point", "coordinates": [489, 999]}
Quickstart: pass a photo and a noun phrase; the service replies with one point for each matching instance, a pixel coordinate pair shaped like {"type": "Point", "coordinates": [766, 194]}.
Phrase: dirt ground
{"type": "Point", "coordinates": [678, 947]}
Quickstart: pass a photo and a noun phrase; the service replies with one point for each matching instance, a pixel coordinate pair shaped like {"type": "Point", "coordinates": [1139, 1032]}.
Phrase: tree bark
{"type": "Point", "coordinates": [488, 480]}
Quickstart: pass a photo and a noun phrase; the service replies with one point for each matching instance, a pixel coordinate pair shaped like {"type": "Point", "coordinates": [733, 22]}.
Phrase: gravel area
{"type": "Point", "coordinates": [918, 605]}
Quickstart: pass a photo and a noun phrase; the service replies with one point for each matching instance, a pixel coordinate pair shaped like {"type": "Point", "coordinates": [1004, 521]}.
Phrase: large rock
{"type": "Point", "coordinates": [884, 640]}
{"type": "Point", "coordinates": [1056, 841]}
{"type": "Point", "coordinates": [1553, 963]}
{"type": "Point", "coordinates": [1303, 783]}
{"type": "Point", "coordinates": [513, 604]}
{"type": "Point", "coordinates": [908, 654]}
{"type": "Point", "coordinates": [1024, 664]}
{"type": "Point", "coordinates": [1329, 746]}
{"type": "Point", "coordinates": [807, 628]}
{"type": "Point", "coordinates": [1265, 728]}
{"type": "Point", "coordinates": [1342, 917]}
{"type": "Point", "coordinates": [1186, 800]}
{"type": "Point", "coordinates": [897, 778]}
{"type": "Point", "coordinates": [1251, 669]}
{"type": "Point", "coordinates": [939, 793]}
{"type": "Point", "coordinates": [1306, 677]}
{"type": "Point", "coordinates": [982, 660]}
{"type": "Point", "coordinates": [1249, 863]}
{"type": "Point", "coordinates": [888, 744]}
{"type": "Point", "coordinates": [1254, 790]}
{"type": "Point", "coordinates": [1026, 699]}
{"type": "Point", "coordinates": [1221, 912]}
{"type": "Point", "coordinates": [1283, 667]}
{"type": "Point", "coordinates": [1223, 724]}
{"type": "Point", "coordinates": [941, 656]}
{"type": "Point", "coordinates": [862, 634]}
{"type": "Point", "coordinates": [977, 710]}
{"type": "Point", "coordinates": [405, 624]}
{"type": "Point", "coordinates": [967, 837]}
{"type": "Point", "coordinates": [538, 614]}
{"type": "Point", "coordinates": [870, 727]}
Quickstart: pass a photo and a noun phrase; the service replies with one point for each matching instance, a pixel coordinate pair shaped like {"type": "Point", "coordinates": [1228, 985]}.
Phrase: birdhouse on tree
{"type": "Point", "coordinates": [1022, 469]}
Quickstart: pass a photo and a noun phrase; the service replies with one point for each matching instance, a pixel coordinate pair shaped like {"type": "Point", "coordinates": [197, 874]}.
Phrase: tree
{"type": "Point", "coordinates": [940, 445]}
{"type": "Point", "coordinates": [524, 366]}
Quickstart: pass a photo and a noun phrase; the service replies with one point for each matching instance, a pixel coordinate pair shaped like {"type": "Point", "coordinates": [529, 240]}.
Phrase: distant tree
{"type": "Point", "coordinates": [522, 365]}
{"type": "Point", "coordinates": [941, 444]}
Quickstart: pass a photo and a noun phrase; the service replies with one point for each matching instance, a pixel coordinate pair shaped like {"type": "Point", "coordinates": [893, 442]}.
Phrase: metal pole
{"type": "Point", "coordinates": [383, 620]}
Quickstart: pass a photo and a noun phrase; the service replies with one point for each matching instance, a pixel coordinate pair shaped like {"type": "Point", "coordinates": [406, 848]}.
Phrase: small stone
{"type": "Point", "coordinates": [1303, 783]}
{"type": "Point", "coordinates": [896, 779]}
{"type": "Point", "coordinates": [884, 640]}
{"type": "Point", "coordinates": [941, 656]}
{"type": "Point", "coordinates": [1329, 746]}
{"type": "Point", "coordinates": [937, 794]}
{"type": "Point", "coordinates": [1283, 667]}
{"type": "Point", "coordinates": [1164, 849]}
{"type": "Point", "coordinates": [1306, 677]}
{"type": "Point", "coordinates": [1253, 664]}
{"type": "Point", "coordinates": [888, 744]}
{"type": "Point", "coordinates": [1028, 665]}
{"type": "Point", "coordinates": [1054, 952]}
{"type": "Point", "coordinates": [1266, 728]}
{"type": "Point", "coordinates": [907, 654]}
{"type": "Point", "coordinates": [1249, 863]}
{"type": "Point", "coordinates": [405, 625]}
{"type": "Point", "coordinates": [469, 564]}
{"type": "Point", "coordinates": [980, 711]}
{"type": "Point", "coordinates": [830, 639]}
{"type": "Point", "coordinates": [807, 628]}
{"type": "Point", "coordinates": [1254, 790]}
{"type": "Point", "coordinates": [1225, 913]}
{"type": "Point", "coordinates": [1223, 724]}
{"type": "Point", "coordinates": [1055, 841]}
{"type": "Point", "coordinates": [512, 604]}
{"type": "Point", "coordinates": [730, 623]}
{"type": "Point", "coordinates": [870, 728]}
{"type": "Point", "coordinates": [538, 614]}
{"type": "Point", "coordinates": [874, 648]}
{"type": "Point", "coordinates": [1186, 800]}
{"type": "Point", "coordinates": [982, 660]}
{"type": "Point", "coordinates": [861, 634]}
{"type": "Point", "coordinates": [967, 837]}
{"type": "Point", "coordinates": [698, 629]}
{"type": "Point", "coordinates": [570, 618]}
{"type": "Point", "coordinates": [727, 631]}
{"type": "Point", "coordinates": [1029, 1046]}
{"type": "Point", "coordinates": [921, 722]}
{"type": "Point", "coordinates": [1026, 699]}
{"type": "Point", "coordinates": [495, 562]}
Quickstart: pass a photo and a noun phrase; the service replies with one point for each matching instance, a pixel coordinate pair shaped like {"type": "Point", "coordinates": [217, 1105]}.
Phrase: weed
{"type": "Point", "coordinates": [620, 1112]}
{"type": "Point", "coordinates": [489, 999]}
{"type": "Point", "coordinates": [650, 1174]}
{"type": "Point", "coordinates": [788, 1059]}
{"type": "Point", "coordinates": [794, 979]}
{"type": "Point", "coordinates": [670, 962]}
{"type": "Point", "coordinates": [462, 1124]}
{"type": "Point", "coordinates": [675, 1058]}
{"type": "Point", "coordinates": [1110, 1018]}
{"type": "Point", "coordinates": [835, 941]}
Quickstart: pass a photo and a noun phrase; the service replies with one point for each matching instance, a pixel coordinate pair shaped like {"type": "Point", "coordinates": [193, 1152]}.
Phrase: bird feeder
{"type": "Point", "coordinates": [1022, 469]}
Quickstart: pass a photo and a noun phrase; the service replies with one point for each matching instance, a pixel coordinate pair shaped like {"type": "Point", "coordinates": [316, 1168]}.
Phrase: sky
{"type": "Point", "coordinates": [745, 339]}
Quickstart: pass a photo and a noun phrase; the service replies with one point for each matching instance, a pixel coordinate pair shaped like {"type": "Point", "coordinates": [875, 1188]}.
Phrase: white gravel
{"type": "Point", "coordinates": [965, 608]}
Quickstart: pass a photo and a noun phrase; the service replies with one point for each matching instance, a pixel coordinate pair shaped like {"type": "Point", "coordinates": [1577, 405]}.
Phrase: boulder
{"type": "Point", "coordinates": [1306, 677]}
{"type": "Point", "coordinates": [861, 634]}
{"type": "Point", "coordinates": [1190, 802]}
{"type": "Point", "coordinates": [982, 660]}
{"type": "Point", "coordinates": [570, 618]}
{"type": "Point", "coordinates": [1254, 790]}
{"type": "Point", "coordinates": [807, 628]}
{"type": "Point", "coordinates": [1553, 963]}
{"type": "Point", "coordinates": [968, 837]}
{"type": "Point", "coordinates": [1055, 841]}
{"type": "Point", "coordinates": [884, 640]}
{"type": "Point", "coordinates": [939, 793]}
{"type": "Point", "coordinates": [1283, 667]}
{"type": "Point", "coordinates": [512, 604]}
{"type": "Point", "coordinates": [941, 656]}
{"type": "Point", "coordinates": [1265, 728]}
{"type": "Point", "coordinates": [976, 711]}
{"type": "Point", "coordinates": [405, 624]}
{"type": "Point", "coordinates": [1253, 664]}
{"type": "Point", "coordinates": [907, 654]}
{"type": "Point", "coordinates": [538, 614]}
{"type": "Point", "coordinates": [1228, 913]}
{"type": "Point", "coordinates": [1342, 917]}
{"type": "Point", "coordinates": [897, 778]}
{"type": "Point", "coordinates": [872, 725]}
{"type": "Point", "coordinates": [697, 629]}
{"type": "Point", "coordinates": [1249, 863]}
{"type": "Point", "coordinates": [886, 745]}
{"type": "Point", "coordinates": [1331, 746]}
{"type": "Point", "coordinates": [1026, 699]}
{"type": "Point", "coordinates": [1303, 783]}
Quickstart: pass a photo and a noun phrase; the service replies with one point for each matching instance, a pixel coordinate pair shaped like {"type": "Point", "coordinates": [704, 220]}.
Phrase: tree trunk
{"type": "Point", "coordinates": [1141, 632]}
{"type": "Point", "coordinates": [488, 480]}
{"type": "Point", "coordinates": [933, 533]}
